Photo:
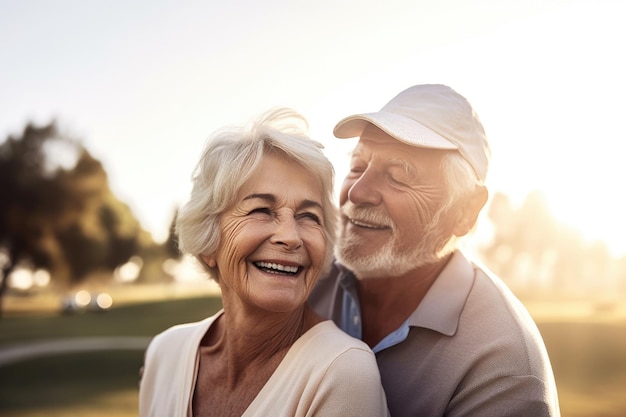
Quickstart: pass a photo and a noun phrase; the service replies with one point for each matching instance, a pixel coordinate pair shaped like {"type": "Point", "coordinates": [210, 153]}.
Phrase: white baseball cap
{"type": "Point", "coordinates": [429, 116]}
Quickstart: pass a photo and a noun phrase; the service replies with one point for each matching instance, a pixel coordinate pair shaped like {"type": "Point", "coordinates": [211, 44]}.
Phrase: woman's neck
{"type": "Point", "coordinates": [247, 337]}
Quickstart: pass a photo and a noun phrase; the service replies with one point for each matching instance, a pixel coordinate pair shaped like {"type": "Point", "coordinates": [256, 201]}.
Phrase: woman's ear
{"type": "Point", "coordinates": [209, 261]}
{"type": "Point", "coordinates": [470, 210]}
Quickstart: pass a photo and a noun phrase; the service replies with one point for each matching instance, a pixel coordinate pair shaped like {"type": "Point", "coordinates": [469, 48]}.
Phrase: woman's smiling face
{"type": "Point", "coordinates": [273, 240]}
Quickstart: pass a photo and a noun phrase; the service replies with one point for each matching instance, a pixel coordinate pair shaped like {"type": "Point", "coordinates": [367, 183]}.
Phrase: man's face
{"type": "Point", "coordinates": [391, 207]}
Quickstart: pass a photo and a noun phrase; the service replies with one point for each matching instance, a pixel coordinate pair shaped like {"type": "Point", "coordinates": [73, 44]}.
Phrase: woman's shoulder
{"type": "Point", "coordinates": [180, 334]}
{"type": "Point", "coordinates": [328, 338]}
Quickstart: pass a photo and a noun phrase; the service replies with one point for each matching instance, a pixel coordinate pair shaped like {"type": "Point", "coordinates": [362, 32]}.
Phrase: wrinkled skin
{"type": "Point", "coordinates": [390, 204]}
{"type": "Point", "coordinates": [276, 220]}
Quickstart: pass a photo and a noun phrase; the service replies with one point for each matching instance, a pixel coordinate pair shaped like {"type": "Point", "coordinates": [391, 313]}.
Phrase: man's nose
{"type": "Point", "coordinates": [365, 189]}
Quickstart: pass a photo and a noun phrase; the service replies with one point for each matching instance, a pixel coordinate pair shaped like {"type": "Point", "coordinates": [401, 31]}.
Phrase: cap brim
{"type": "Point", "coordinates": [401, 128]}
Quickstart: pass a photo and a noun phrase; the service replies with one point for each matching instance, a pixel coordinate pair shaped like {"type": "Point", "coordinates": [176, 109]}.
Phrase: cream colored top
{"type": "Point", "coordinates": [324, 373]}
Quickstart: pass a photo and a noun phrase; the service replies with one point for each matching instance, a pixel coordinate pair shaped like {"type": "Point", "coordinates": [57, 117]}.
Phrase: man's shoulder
{"type": "Point", "coordinates": [491, 290]}
{"type": "Point", "coordinates": [485, 308]}
{"type": "Point", "coordinates": [493, 313]}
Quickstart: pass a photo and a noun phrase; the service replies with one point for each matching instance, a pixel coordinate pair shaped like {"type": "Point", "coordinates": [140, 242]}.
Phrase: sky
{"type": "Point", "coordinates": [144, 83]}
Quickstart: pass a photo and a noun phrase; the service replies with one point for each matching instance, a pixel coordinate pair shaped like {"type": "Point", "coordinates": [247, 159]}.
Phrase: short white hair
{"type": "Point", "coordinates": [230, 158]}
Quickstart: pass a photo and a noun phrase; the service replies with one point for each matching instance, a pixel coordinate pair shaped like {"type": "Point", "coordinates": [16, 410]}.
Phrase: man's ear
{"type": "Point", "coordinates": [209, 261]}
{"type": "Point", "coordinates": [469, 211]}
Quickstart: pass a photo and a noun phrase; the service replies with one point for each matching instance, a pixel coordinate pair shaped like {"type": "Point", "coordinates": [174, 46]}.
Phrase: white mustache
{"type": "Point", "coordinates": [366, 215]}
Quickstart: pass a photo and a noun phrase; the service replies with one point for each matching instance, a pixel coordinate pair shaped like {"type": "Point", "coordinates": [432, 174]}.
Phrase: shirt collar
{"type": "Point", "coordinates": [441, 307]}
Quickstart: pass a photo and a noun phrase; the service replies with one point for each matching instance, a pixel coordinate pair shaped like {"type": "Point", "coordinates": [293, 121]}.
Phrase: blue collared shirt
{"type": "Point", "coordinates": [351, 317]}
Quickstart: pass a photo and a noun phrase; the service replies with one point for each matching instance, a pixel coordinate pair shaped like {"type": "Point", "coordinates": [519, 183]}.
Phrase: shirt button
{"type": "Point", "coordinates": [355, 320]}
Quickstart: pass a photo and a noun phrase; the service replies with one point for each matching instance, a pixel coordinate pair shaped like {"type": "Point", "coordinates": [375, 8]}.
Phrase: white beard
{"type": "Point", "coordinates": [389, 261]}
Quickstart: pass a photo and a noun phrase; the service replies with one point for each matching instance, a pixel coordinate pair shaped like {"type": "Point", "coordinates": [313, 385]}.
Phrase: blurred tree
{"type": "Point", "coordinates": [537, 255]}
{"type": "Point", "coordinates": [26, 188]}
{"type": "Point", "coordinates": [64, 219]}
{"type": "Point", "coordinates": [499, 253]}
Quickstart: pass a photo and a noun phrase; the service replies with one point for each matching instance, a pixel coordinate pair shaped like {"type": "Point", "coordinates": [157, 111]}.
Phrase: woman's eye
{"type": "Point", "coordinates": [260, 210]}
{"type": "Point", "coordinates": [311, 216]}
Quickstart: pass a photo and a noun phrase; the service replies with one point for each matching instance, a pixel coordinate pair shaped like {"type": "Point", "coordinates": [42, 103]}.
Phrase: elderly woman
{"type": "Point", "coordinates": [261, 221]}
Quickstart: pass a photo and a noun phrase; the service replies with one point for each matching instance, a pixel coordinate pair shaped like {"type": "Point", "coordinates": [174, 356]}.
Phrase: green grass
{"type": "Point", "coordinates": [145, 319]}
{"type": "Point", "coordinates": [86, 383]}
{"type": "Point", "coordinates": [589, 363]}
{"type": "Point", "coordinates": [89, 384]}
{"type": "Point", "coordinates": [588, 360]}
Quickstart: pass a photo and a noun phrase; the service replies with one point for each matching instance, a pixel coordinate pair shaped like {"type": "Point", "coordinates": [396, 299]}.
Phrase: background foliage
{"type": "Point", "coordinates": [57, 212]}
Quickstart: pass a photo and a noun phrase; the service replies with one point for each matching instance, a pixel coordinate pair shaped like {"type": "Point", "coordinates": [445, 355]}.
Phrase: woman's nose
{"type": "Point", "coordinates": [287, 234]}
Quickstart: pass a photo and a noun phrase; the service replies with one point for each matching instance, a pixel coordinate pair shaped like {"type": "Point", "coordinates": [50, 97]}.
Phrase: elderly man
{"type": "Point", "coordinates": [450, 338]}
